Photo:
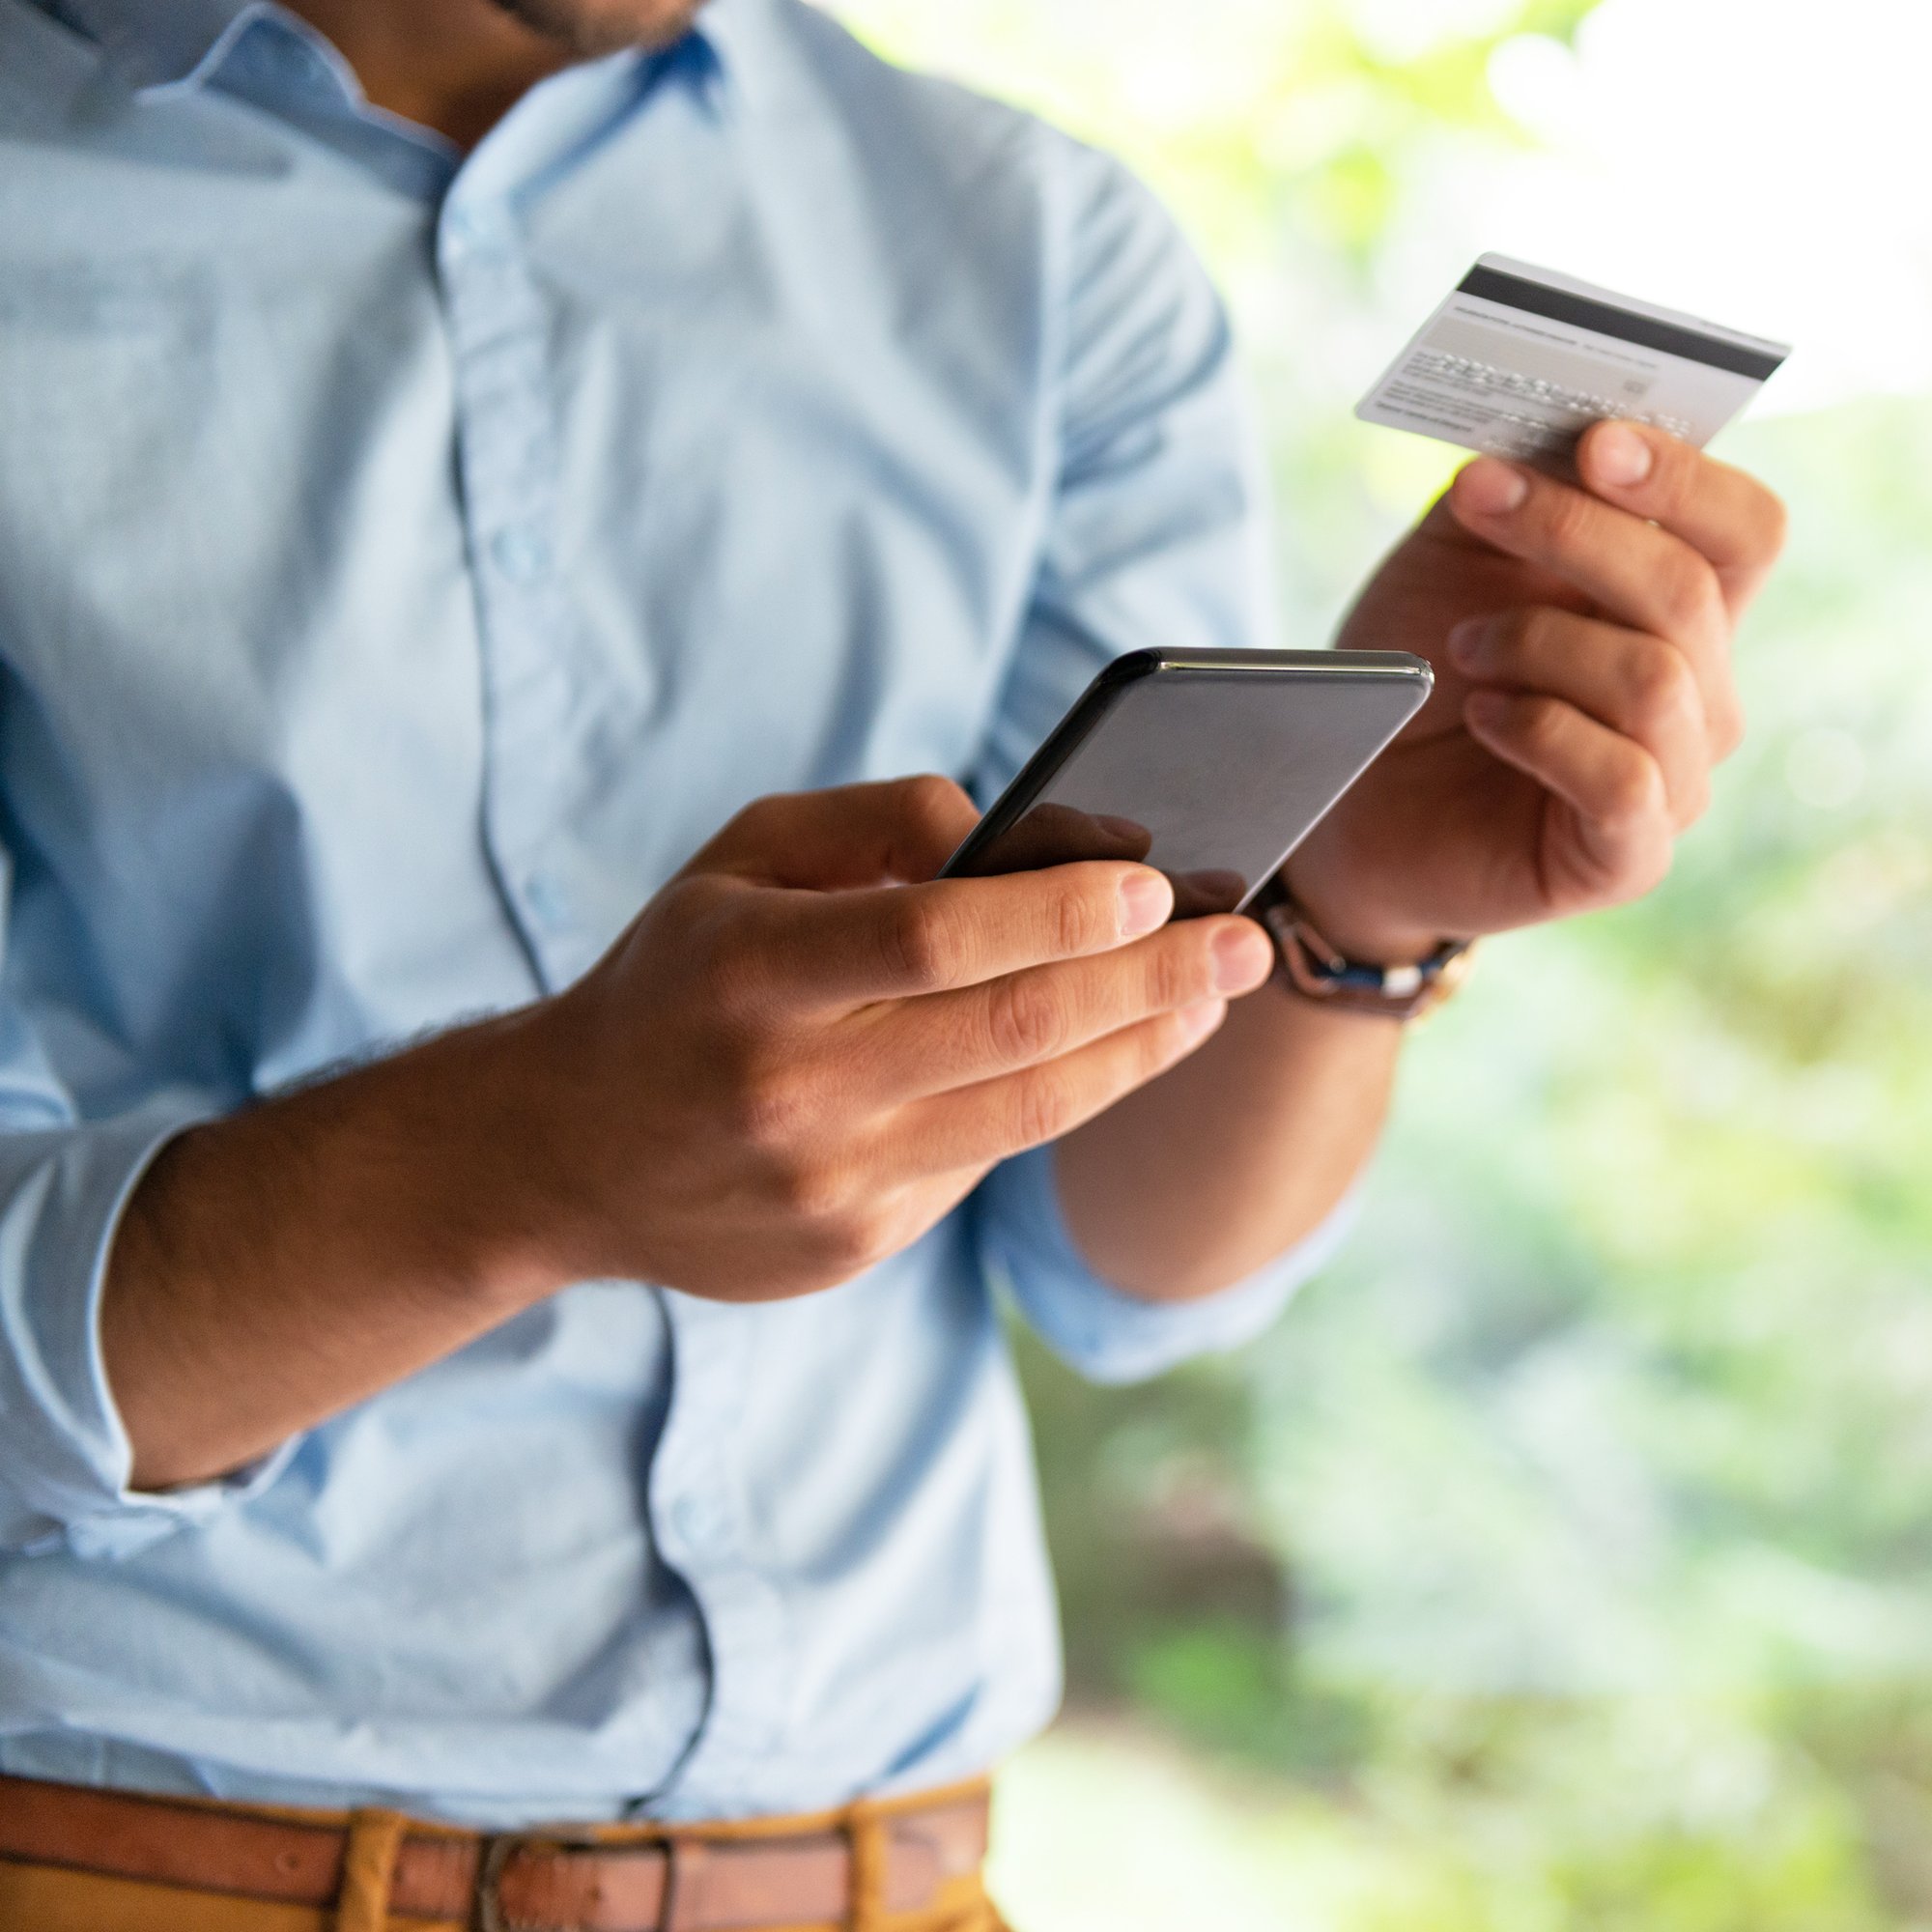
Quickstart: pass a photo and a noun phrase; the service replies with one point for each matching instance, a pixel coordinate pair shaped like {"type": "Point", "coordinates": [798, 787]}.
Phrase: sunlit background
{"type": "Point", "coordinates": [1565, 1557]}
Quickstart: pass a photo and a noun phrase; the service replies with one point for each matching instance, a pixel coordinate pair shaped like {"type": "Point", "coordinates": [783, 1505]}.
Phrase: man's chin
{"type": "Point", "coordinates": [588, 28]}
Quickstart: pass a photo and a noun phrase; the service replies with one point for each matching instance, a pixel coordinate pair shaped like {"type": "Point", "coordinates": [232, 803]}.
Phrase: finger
{"type": "Point", "coordinates": [1636, 573]}
{"type": "Point", "coordinates": [975, 1126]}
{"type": "Point", "coordinates": [844, 949]}
{"type": "Point", "coordinates": [1611, 784]}
{"type": "Point", "coordinates": [1728, 516]}
{"type": "Point", "coordinates": [945, 1040]}
{"type": "Point", "coordinates": [1637, 685]}
{"type": "Point", "coordinates": [844, 836]}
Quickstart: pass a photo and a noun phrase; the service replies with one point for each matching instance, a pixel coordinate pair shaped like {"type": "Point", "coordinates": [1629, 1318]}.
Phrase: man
{"type": "Point", "coordinates": [476, 1351]}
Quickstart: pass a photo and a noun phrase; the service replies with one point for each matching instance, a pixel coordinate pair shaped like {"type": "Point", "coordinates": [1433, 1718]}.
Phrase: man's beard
{"type": "Point", "coordinates": [589, 28]}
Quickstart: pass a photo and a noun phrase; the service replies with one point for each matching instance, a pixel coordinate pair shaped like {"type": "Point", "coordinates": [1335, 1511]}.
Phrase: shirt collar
{"type": "Point", "coordinates": [154, 45]}
{"type": "Point", "coordinates": [169, 43]}
{"type": "Point", "coordinates": [737, 38]}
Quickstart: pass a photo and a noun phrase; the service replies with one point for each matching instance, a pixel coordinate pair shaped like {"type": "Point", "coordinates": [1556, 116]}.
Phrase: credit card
{"type": "Point", "coordinates": [1520, 361]}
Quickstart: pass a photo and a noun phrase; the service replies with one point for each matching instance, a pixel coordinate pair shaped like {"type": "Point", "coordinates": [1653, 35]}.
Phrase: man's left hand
{"type": "Point", "coordinates": [1581, 640]}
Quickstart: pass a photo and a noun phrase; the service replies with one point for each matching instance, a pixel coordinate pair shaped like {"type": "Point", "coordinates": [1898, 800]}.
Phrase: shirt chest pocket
{"type": "Point", "coordinates": [110, 471]}
{"type": "Point", "coordinates": [107, 401]}
{"type": "Point", "coordinates": [185, 452]}
{"type": "Point", "coordinates": [141, 591]}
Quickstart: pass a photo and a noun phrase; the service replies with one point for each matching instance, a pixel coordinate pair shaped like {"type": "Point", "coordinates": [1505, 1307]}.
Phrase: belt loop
{"type": "Point", "coordinates": [865, 1833]}
{"type": "Point", "coordinates": [368, 1865]}
{"type": "Point", "coordinates": [687, 1867]}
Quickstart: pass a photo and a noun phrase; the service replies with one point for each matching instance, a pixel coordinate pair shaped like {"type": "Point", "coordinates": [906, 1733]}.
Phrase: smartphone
{"type": "Point", "coordinates": [1210, 765]}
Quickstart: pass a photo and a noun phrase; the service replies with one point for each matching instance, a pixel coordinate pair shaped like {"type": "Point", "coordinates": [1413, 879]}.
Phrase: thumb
{"type": "Point", "coordinates": [849, 836]}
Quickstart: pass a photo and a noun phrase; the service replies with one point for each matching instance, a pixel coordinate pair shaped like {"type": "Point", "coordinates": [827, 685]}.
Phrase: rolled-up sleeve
{"type": "Point", "coordinates": [1158, 534]}
{"type": "Point", "coordinates": [66, 1463]}
{"type": "Point", "coordinates": [1103, 1332]}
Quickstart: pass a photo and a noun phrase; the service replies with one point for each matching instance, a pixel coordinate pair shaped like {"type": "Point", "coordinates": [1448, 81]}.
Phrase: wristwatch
{"type": "Point", "coordinates": [1314, 969]}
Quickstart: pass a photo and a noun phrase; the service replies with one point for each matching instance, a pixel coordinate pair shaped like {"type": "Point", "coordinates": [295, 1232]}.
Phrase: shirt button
{"type": "Point", "coordinates": [468, 228]}
{"type": "Point", "coordinates": [697, 1522]}
{"type": "Point", "coordinates": [545, 901]}
{"type": "Point", "coordinates": [522, 555]}
{"type": "Point", "coordinates": [306, 61]}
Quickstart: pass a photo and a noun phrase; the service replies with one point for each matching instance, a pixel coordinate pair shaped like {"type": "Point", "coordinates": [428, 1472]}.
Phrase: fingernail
{"type": "Point", "coordinates": [1146, 900]}
{"type": "Point", "coordinates": [1242, 958]}
{"type": "Point", "coordinates": [1619, 456]}
{"type": "Point", "coordinates": [1465, 642]}
{"type": "Point", "coordinates": [1200, 1020]}
{"type": "Point", "coordinates": [1491, 488]}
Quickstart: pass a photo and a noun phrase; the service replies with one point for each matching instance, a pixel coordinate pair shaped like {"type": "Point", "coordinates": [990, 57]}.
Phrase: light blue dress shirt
{"type": "Point", "coordinates": [406, 561]}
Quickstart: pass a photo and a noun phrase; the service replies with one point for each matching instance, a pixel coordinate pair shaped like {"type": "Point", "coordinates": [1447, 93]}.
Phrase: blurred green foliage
{"type": "Point", "coordinates": [1565, 1558]}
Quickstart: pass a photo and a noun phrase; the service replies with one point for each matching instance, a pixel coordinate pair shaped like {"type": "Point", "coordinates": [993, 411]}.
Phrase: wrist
{"type": "Point", "coordinates": [1368, 943]}
{"type": "Point", "coordinates": [1332, 880]}
{"type": "Point", "coordinates": [551, 1222]}
{"type": "Point", "coordinates": [1314, 967]}
{"type": "Point", "coordinates": [479, 1180]}
{"type": "Point", "coordinates": [1356, 928]}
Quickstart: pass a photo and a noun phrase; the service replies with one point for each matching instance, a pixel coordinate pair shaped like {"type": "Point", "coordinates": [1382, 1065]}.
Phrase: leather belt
{"type": "Point", "coordinates": [650, 1878]}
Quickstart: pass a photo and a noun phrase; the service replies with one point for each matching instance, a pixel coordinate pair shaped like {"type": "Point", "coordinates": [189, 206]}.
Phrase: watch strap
{"type": "Point", "coordinates": [1313, 968]}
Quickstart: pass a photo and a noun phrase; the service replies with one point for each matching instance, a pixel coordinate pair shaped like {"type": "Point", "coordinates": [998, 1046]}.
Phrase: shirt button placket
{"type": "Point", "coordinates": [507, 463]}
{"type": "Point", "coordinates": [695, 1502]}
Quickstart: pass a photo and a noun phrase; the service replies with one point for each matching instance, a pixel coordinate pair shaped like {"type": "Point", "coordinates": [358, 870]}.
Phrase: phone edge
{"type": "Point", "coordinates": [1118, 673]}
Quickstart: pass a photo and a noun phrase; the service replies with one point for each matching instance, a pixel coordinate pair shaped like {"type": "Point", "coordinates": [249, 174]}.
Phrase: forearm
{"type": "Point", "coordinates": [275, 1267]}
{"type": "Point", "coordinates": [1241, 1150]}
{"type": "Point", "coordinates": [774, 1079]}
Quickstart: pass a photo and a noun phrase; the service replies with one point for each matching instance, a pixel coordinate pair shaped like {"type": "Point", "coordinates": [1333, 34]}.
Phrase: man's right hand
{"type": "Point", "coordinates": [806, 1049]}
{"type": "Point", "coordinates": [802, 1053]}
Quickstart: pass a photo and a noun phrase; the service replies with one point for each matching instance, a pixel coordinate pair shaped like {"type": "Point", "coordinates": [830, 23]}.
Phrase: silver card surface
{"type": "Point", "coordinates": [1519, 362]}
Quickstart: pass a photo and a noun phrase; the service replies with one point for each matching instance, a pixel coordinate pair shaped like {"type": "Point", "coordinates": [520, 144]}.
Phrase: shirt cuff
{"type": "Point", "coordinates": [1101, 1331]}
{"type": "Point", "coordinates": [66, 1463]}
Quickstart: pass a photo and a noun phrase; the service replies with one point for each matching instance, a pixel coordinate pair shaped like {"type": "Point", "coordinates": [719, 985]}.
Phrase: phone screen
{"type": "Point", "coordinates": [1212, 776]}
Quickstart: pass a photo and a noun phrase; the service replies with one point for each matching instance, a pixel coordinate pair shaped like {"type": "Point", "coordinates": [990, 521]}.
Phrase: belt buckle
{"type": "Point", "coordinates": [497, 1852]}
